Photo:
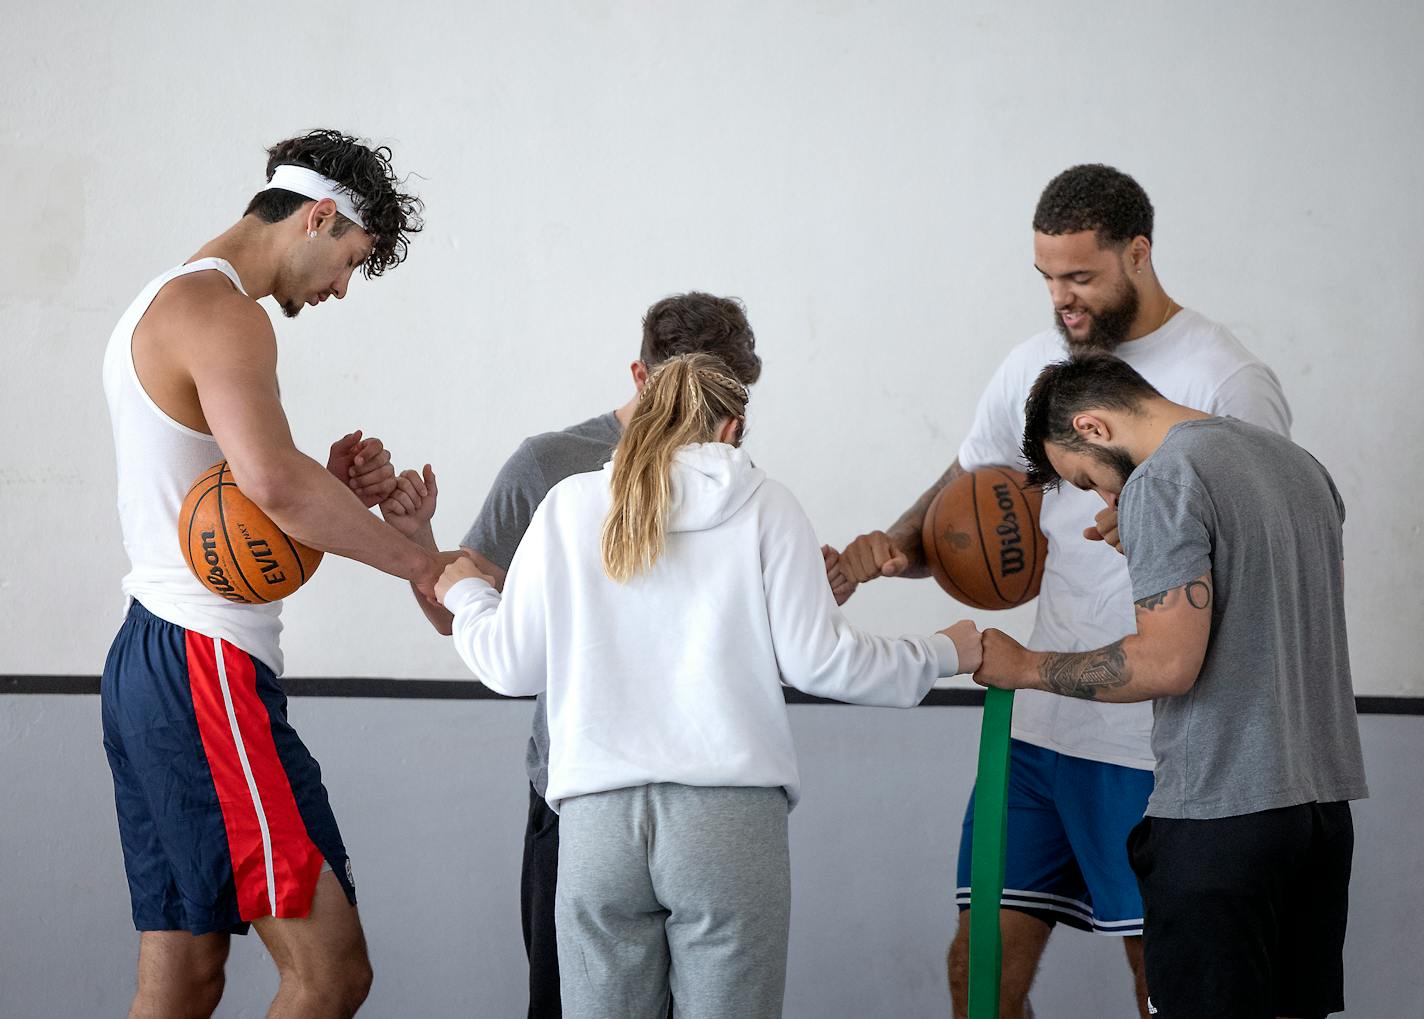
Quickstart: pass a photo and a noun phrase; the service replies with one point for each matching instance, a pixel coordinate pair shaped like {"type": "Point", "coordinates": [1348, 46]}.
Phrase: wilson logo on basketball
{"type": "Point", "coordinates": [233, 548]}
{"type": "Point", "coordinates": [982, 540]}
{"type": "Point", "coordinates": [215, 578]}
{"type": "Point", "coordinates": [1011, 555]}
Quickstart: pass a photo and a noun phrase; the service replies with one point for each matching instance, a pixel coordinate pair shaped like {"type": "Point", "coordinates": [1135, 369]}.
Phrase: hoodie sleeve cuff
{"type": "Point", "coordinates": [464, 593]}
{"type": "Point", "coordinates": [946, 658]}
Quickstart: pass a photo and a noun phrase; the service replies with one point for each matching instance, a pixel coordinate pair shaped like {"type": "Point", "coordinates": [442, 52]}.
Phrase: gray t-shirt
{"type": "Point", "coordinates": [1271, 720]}
{"type": "Point", "coordinates": [540, 463]}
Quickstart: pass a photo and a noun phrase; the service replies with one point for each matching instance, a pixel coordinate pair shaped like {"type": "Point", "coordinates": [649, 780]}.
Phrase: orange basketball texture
{"type": "Point", "coordinates": [982, 539]}
{"type": "Point", "coordinates": [235, 549]}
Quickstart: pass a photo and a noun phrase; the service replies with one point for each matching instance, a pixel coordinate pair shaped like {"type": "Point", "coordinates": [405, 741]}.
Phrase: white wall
{"type": "Point", "coordinates": [862, 174]}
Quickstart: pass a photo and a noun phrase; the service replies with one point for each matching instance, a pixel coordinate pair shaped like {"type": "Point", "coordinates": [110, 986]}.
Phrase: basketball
{"type": "Point", "coordinates": [982, 540]}
{"type": "Point", "coordinates": [233, 548]}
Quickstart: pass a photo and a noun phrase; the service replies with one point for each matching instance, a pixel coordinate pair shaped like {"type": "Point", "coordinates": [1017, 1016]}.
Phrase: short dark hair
{"type": "Point", "coordinates": [701, 323]}
{"type": "Point", "coordinates": [1094, 197]}
{"type": "Point", "coordinates": [390, 215]}
{"type": "Point", "coordinates": [1067, 388]}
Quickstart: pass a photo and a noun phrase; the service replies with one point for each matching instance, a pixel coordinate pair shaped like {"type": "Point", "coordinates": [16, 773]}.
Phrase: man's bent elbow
{"type": "Point", "coordinates": [1179, 678]}
{"type": "Point", "coordinates": [275, 486]}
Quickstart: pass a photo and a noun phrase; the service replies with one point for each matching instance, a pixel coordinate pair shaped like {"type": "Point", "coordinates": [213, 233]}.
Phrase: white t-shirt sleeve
{"type": "Point", "coordinates": [1253, 394]}
{"type": "Point", "coordinates": [996, 436]}
{"type": "Point", "coordinates": [501, 638]}
{"type": "Point", "coordinates": [817, 649]}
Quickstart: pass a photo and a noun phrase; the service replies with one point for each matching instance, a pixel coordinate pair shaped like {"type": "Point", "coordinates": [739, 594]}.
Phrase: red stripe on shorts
{"type": "Point", "coordinates": [275, 864]}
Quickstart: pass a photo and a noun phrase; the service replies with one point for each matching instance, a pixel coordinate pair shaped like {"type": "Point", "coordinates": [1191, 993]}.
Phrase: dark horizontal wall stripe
{"type": "Point", "coordinates": [49, 684]}
{"type": "Point", "coordinates": [469, 690]}
{"type": "Point", "coordinates": [1390, 705]}
{"type": "Point", "coordinates": [367, 686]}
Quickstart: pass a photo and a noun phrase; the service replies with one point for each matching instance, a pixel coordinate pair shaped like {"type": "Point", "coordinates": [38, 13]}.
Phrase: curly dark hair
{"type": "Point", "coordinates": [1067, 388]}
{"type": "Point", "coordinates": [391, 216]}
{"type": "Point", "coordinates": [1094, 197]}
{"type": "Point", "coordinates": [701, 323]}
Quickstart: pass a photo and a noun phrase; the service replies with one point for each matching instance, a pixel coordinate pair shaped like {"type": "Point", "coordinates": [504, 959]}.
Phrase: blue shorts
{"type": "Point", "coordinates": [222, 813]}
{"type": "Point", "coordinates": [1066, 857]}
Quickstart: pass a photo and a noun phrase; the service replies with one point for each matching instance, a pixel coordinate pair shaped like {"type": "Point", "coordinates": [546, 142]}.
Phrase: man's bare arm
{"type": "Point", "coordinates": [1163, 659]}
{"type": "Point", "coordinates": [907, 531]}
{"type": "Point", "coordinates": [238, 393]}
{"type": "Point", "coordinates": [897, 552]}
{"type": "Point", "coordinates": [439, 616]}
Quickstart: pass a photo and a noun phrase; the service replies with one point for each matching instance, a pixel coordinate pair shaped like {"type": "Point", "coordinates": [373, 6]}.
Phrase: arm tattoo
{"type": "Point", "coordinates": [1198, 595]}
{"type": "Point", "coordinates": [913, 519]}
{"type": "Point", "coordinates": [1083, 674]}
{"type": "Point", "coordinates": [1155, 601]}
{"type": "Point", "coordinates": [951, 472]}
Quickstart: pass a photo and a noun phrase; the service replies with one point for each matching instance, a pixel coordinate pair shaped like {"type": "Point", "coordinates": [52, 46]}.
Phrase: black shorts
{"type": "Point", "coordinates": [538, 880]}
{"type": "Point", "coordinates": [1245, 916]}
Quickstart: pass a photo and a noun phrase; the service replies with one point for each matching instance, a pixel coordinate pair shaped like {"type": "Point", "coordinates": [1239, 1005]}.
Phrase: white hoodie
{"type": "Point", "coordinates": [675, 676]}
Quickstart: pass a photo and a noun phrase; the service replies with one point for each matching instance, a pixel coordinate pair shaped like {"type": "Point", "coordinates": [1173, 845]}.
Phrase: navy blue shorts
{"type": "Point", "coordinates": [221, 809]}
{"type": "Point", "coordinates": [1066, 856]}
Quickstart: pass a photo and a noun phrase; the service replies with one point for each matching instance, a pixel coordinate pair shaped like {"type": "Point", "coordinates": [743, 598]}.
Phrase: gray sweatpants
{"type": "Point", "coordinates": [673, 888]}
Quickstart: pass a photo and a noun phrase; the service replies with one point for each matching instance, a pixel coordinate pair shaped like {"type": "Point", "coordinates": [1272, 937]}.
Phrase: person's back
{"type": "Point", "coordinates": [1270, 721]}
{"type": "Point", "coordinates": [684, 323]}
{"type": "Point", "coordinates": [674, 675]}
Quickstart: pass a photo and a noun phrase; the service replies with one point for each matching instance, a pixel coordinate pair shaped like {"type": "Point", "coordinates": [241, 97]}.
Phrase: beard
{"type": "Point", "coordinates": [1107, 328]}
{"type": "Point", "coordinates": [1115, 459]}
{"type": "Point", "coordinates": [291, 308]}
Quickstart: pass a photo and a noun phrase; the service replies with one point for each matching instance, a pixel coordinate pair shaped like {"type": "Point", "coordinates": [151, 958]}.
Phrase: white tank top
{"type": "Point", "coordinates": [158, 460]}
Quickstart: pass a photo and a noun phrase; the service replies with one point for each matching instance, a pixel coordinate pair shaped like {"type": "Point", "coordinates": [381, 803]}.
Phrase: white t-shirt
{"type": "Point", "coordinates": [1086, 598]}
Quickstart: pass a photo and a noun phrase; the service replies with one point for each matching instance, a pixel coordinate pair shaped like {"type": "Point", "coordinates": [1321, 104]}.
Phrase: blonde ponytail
{"type": "Point", "coordinates": [684, 401]}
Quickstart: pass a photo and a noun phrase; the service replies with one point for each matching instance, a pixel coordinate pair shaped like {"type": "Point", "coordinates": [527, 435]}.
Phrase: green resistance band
{"type": "Point", "coordinates": [986, 868]}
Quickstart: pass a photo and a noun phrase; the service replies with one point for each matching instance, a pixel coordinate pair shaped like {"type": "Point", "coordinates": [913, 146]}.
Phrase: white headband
{"type": "Point", "coordinates": [310, 184]}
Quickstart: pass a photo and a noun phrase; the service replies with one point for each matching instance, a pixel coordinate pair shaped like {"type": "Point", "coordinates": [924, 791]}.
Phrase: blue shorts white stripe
{"type": "Point", "coordinates": [1068, 822]}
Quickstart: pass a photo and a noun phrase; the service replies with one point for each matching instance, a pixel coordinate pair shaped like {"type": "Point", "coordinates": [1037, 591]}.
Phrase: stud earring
{"type": "Point", "coordinates": [312, 234]}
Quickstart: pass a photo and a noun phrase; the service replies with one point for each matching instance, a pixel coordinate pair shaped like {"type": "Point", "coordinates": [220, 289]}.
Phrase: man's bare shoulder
{"type": "Point", "coordinates": [202, 308]}
{"type": "Point", "coordinates": [199, 333]}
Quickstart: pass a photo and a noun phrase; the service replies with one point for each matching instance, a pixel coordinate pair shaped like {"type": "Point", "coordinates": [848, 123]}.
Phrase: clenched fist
{"type": "Point", "coordinates": [873, 555]}
{"type": "Point", "coordinates": [968, 644]}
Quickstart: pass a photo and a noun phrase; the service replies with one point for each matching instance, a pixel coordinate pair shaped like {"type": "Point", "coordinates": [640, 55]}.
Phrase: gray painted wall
{"type": "Point", "coordinates": [431, 799]}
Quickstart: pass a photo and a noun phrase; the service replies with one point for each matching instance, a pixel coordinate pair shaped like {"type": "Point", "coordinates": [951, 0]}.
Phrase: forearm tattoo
{"type": "Point", "coordinates": [913, 519]}
{"type": "Point", "coordinates": [1083, 674]}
